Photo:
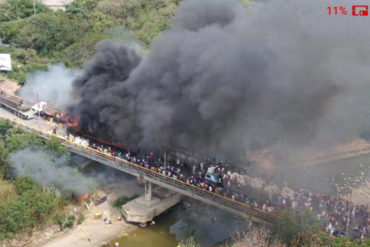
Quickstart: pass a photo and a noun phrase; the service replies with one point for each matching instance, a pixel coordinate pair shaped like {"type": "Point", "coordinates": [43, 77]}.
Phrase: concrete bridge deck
{"type": "Point", "coordinates": [43, 129]}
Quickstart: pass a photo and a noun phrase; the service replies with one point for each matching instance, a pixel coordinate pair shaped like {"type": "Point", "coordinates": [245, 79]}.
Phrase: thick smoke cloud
{"type": "Point", "coordinates": [281, 74]}
{"type": "Point", "coordinates": [38, 165]}
{"type": "Point", "coordinates": [53, 85]}
{"type": "Point", "coordinates": [101, 107]}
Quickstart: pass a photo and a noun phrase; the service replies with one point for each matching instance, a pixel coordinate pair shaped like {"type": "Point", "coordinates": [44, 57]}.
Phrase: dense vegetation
{"type": "Point", "coordinates": [70, 36]}
{"type": "Point", "coordinates": [23, 203]}
{"type": "Point", "coordinates": [303, 229]}
{"type": "Point", "coordinates": [19, 9]}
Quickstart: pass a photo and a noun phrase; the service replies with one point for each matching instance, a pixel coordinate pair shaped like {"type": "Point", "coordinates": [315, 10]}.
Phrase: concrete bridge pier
{"type": "Point", "coordinates": [143, 209]}
{"type": "Point", "coordinates": [148, 191]}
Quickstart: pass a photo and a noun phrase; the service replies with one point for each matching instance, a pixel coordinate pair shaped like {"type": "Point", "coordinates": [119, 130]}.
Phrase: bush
{"type": "Point", "coordinates": [29, 209]}
{"type": "Point", "coordinates": [7, 191]}
{"type": "Point", "coordinates": [15, 215]}
{"type": "Point", "coordinates": [23, 184]}
{"type": "Point", "coordinates": [80, 218]}
{"type": "Point", "coordinates": [122, 200]}
{"type": "Point", "coordinates": [81, 51]}
{"type": "Point", "coordinates": [65, 221]}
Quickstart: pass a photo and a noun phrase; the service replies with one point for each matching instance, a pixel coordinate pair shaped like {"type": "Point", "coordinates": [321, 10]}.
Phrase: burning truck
{"type": "Point", "coordinates": [27, 110]}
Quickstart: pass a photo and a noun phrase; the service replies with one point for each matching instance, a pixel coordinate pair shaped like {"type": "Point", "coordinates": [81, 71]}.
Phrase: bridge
{"type": "Point", "coordinates": [44, 130]}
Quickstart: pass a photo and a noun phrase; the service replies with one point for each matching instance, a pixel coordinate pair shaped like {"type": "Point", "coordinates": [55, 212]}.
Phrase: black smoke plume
{"type": "Point", "coordinates": [282, 74]}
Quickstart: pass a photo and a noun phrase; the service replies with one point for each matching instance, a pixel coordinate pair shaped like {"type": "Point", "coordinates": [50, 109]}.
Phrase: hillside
{"type": "Point", "coordinates": [70, 36]}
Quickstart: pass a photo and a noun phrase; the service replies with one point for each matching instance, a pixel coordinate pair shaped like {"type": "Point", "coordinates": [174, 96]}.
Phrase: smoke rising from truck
{"type": "Point", "coordinates": [53, 85]}
{"type": "Point", "coordinates": [229, 77]}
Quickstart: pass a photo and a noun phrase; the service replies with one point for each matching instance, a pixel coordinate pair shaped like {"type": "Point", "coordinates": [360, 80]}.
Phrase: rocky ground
{"type": "Point", "coordinates": [93, 231]}
{"type": "Point", "coordinates": [9, 86]}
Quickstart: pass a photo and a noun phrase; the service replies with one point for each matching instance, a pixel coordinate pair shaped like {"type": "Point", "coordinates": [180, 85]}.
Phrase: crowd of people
{"type": "Point", "coordinates": [338, 215]}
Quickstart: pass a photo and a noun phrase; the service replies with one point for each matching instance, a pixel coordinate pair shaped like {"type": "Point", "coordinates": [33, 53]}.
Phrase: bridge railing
{"type": "Point", "coordinates": [171, 181]}
{"type": "Point", "coordinates": [234, 204]}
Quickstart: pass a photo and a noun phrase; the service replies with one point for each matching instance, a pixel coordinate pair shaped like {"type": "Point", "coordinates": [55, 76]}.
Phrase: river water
{"type": "Point", "coordinates": [206, 224]}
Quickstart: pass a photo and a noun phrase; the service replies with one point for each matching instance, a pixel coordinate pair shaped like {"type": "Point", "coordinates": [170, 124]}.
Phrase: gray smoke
{"type": "Point", "coordinates": [53, 85]}
{"type": "Point", "coordinates": [39, 165]}
{"type": "Point", "coordinates": [282, 74]}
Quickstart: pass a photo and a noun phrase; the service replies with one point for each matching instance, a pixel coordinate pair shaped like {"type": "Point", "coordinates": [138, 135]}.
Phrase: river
{"type": "Point", "coordinates": [207, 224]}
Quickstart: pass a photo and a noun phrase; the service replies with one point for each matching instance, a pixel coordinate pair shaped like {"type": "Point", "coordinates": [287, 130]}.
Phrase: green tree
{"type": "Point", "coordinates": [16, 139]}
{"type": "Point", "coordinates": [82, 50]}
{"type": "Point", "coordinates": [50, 33]}
{"type": "Point", "coordinates": [4, 127]}
{"type": "Point", "coordinates": [9, 30]}
{"type": "Point", "coordinates": [82, 7]}
{"type": "Point", "coordinates": [29, 209]}
{"type": "Point", "coordinates": [55, 147]}
{"type": "Point", "coordinates": [18, 9]}
{"type": "Point", "coordinates": [146, 19]}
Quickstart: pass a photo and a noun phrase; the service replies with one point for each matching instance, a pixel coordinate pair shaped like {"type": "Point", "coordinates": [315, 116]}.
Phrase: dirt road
{"type": "Point", "coordinates": [93, 231]}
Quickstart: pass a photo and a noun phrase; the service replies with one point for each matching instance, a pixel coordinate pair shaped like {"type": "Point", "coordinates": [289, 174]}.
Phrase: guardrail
{"type": "Point", "coordinates": [140, 170]}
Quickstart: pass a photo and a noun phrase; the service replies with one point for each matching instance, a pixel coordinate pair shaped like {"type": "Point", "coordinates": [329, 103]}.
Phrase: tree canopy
{"type": "Point", "coordinates": [23, 203]}
{"type": "Point", "coordinates": [18, 9]}
{"type": "Point", "coordinates": [70, 36]}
